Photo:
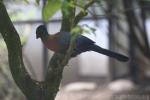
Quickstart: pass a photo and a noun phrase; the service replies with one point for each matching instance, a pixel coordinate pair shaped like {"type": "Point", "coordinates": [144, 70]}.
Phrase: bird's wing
{"type": "Point", "coordinates": [83, 41]}
{"type": "Point", "coordinates": [82, 45]}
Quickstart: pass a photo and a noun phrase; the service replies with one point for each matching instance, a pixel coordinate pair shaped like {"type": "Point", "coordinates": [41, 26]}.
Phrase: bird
{"type": "Point", "coordinates": [59, 43]}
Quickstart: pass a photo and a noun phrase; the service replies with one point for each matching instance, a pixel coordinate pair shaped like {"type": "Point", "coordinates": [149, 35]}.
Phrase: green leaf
{"type": "Point", "coordinates": [88, 29]}
{"type": "Point", "coordinates": [76, 30]}
{"type": "Point", "coordinates": [26, 1]}
{"type": "Point", "coordinates": [83, 29]}
{"type": "Point", "coordinates": [50, 9]}
{"type": "Point", "coordinates": [66, 6]}
{"type": "Point", "coordinates": [24, 40]}
{"type": "Point", "coordinates": [38, 2]}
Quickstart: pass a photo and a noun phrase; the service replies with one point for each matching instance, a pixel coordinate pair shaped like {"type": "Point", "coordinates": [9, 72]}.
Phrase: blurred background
{"type": "Point", "coordinates": [121, 26]}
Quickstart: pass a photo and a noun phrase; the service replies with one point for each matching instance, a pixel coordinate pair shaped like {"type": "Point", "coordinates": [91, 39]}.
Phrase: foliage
{"type": "Point", "coordinates": [51, 7]}
{"type": "Point", "coordinates": [83, 29]}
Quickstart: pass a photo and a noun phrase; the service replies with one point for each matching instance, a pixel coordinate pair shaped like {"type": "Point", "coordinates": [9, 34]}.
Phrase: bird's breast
{"type": "Point", "coordinates": [54, 45]}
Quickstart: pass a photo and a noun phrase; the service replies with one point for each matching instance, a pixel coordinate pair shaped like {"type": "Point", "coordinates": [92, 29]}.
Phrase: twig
{"type": "Point", "coordinates": [82, 14]}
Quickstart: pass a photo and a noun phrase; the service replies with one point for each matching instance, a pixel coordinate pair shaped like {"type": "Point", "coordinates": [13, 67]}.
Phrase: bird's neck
{"type": "Point", "coordinates": [44, 37]}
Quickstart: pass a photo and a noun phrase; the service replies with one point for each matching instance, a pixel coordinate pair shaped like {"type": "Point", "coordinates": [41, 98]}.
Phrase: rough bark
{"type": "Point", "coordinates": [12, 40]}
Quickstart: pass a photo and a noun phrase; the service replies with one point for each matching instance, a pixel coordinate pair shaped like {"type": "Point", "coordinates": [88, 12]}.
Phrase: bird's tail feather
{"type": "Point", "coordinates": [109, 53]}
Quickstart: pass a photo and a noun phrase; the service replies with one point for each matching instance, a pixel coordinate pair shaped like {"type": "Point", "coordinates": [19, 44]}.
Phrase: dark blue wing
{"type": "Point", "coordinates": [83, 41]}
{"type": "Point", "coordinates": [80, 42]}
{"type": "Point", "coordinates": [83, 44]}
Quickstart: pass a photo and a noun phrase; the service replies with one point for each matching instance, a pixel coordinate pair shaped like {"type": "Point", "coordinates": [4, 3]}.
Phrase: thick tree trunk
{"type": "Point", "coordinates": [139, 48]}
{"type": "Point", "coordinates": [12, 40]}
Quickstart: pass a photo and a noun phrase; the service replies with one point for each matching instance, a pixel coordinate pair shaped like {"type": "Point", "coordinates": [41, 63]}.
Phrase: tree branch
{"type": "Point", "coordinates": [58, 61]}
{"type": "Point", "coordinates": [16, 65]}
{"type": "Point", "coordinates": [56, 65]}
{"type": "Point", "coordinates": [82, 14]}
{"type": "Point", "coordinates": [68, 14]}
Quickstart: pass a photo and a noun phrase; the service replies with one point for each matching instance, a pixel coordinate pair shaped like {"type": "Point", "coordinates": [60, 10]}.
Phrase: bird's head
{"type": "Point", "coordinates": [41, 31]}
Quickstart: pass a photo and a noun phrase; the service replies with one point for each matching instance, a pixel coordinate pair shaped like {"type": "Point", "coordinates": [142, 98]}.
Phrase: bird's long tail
{"type": "Point", "coordinates": [109, 53]}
